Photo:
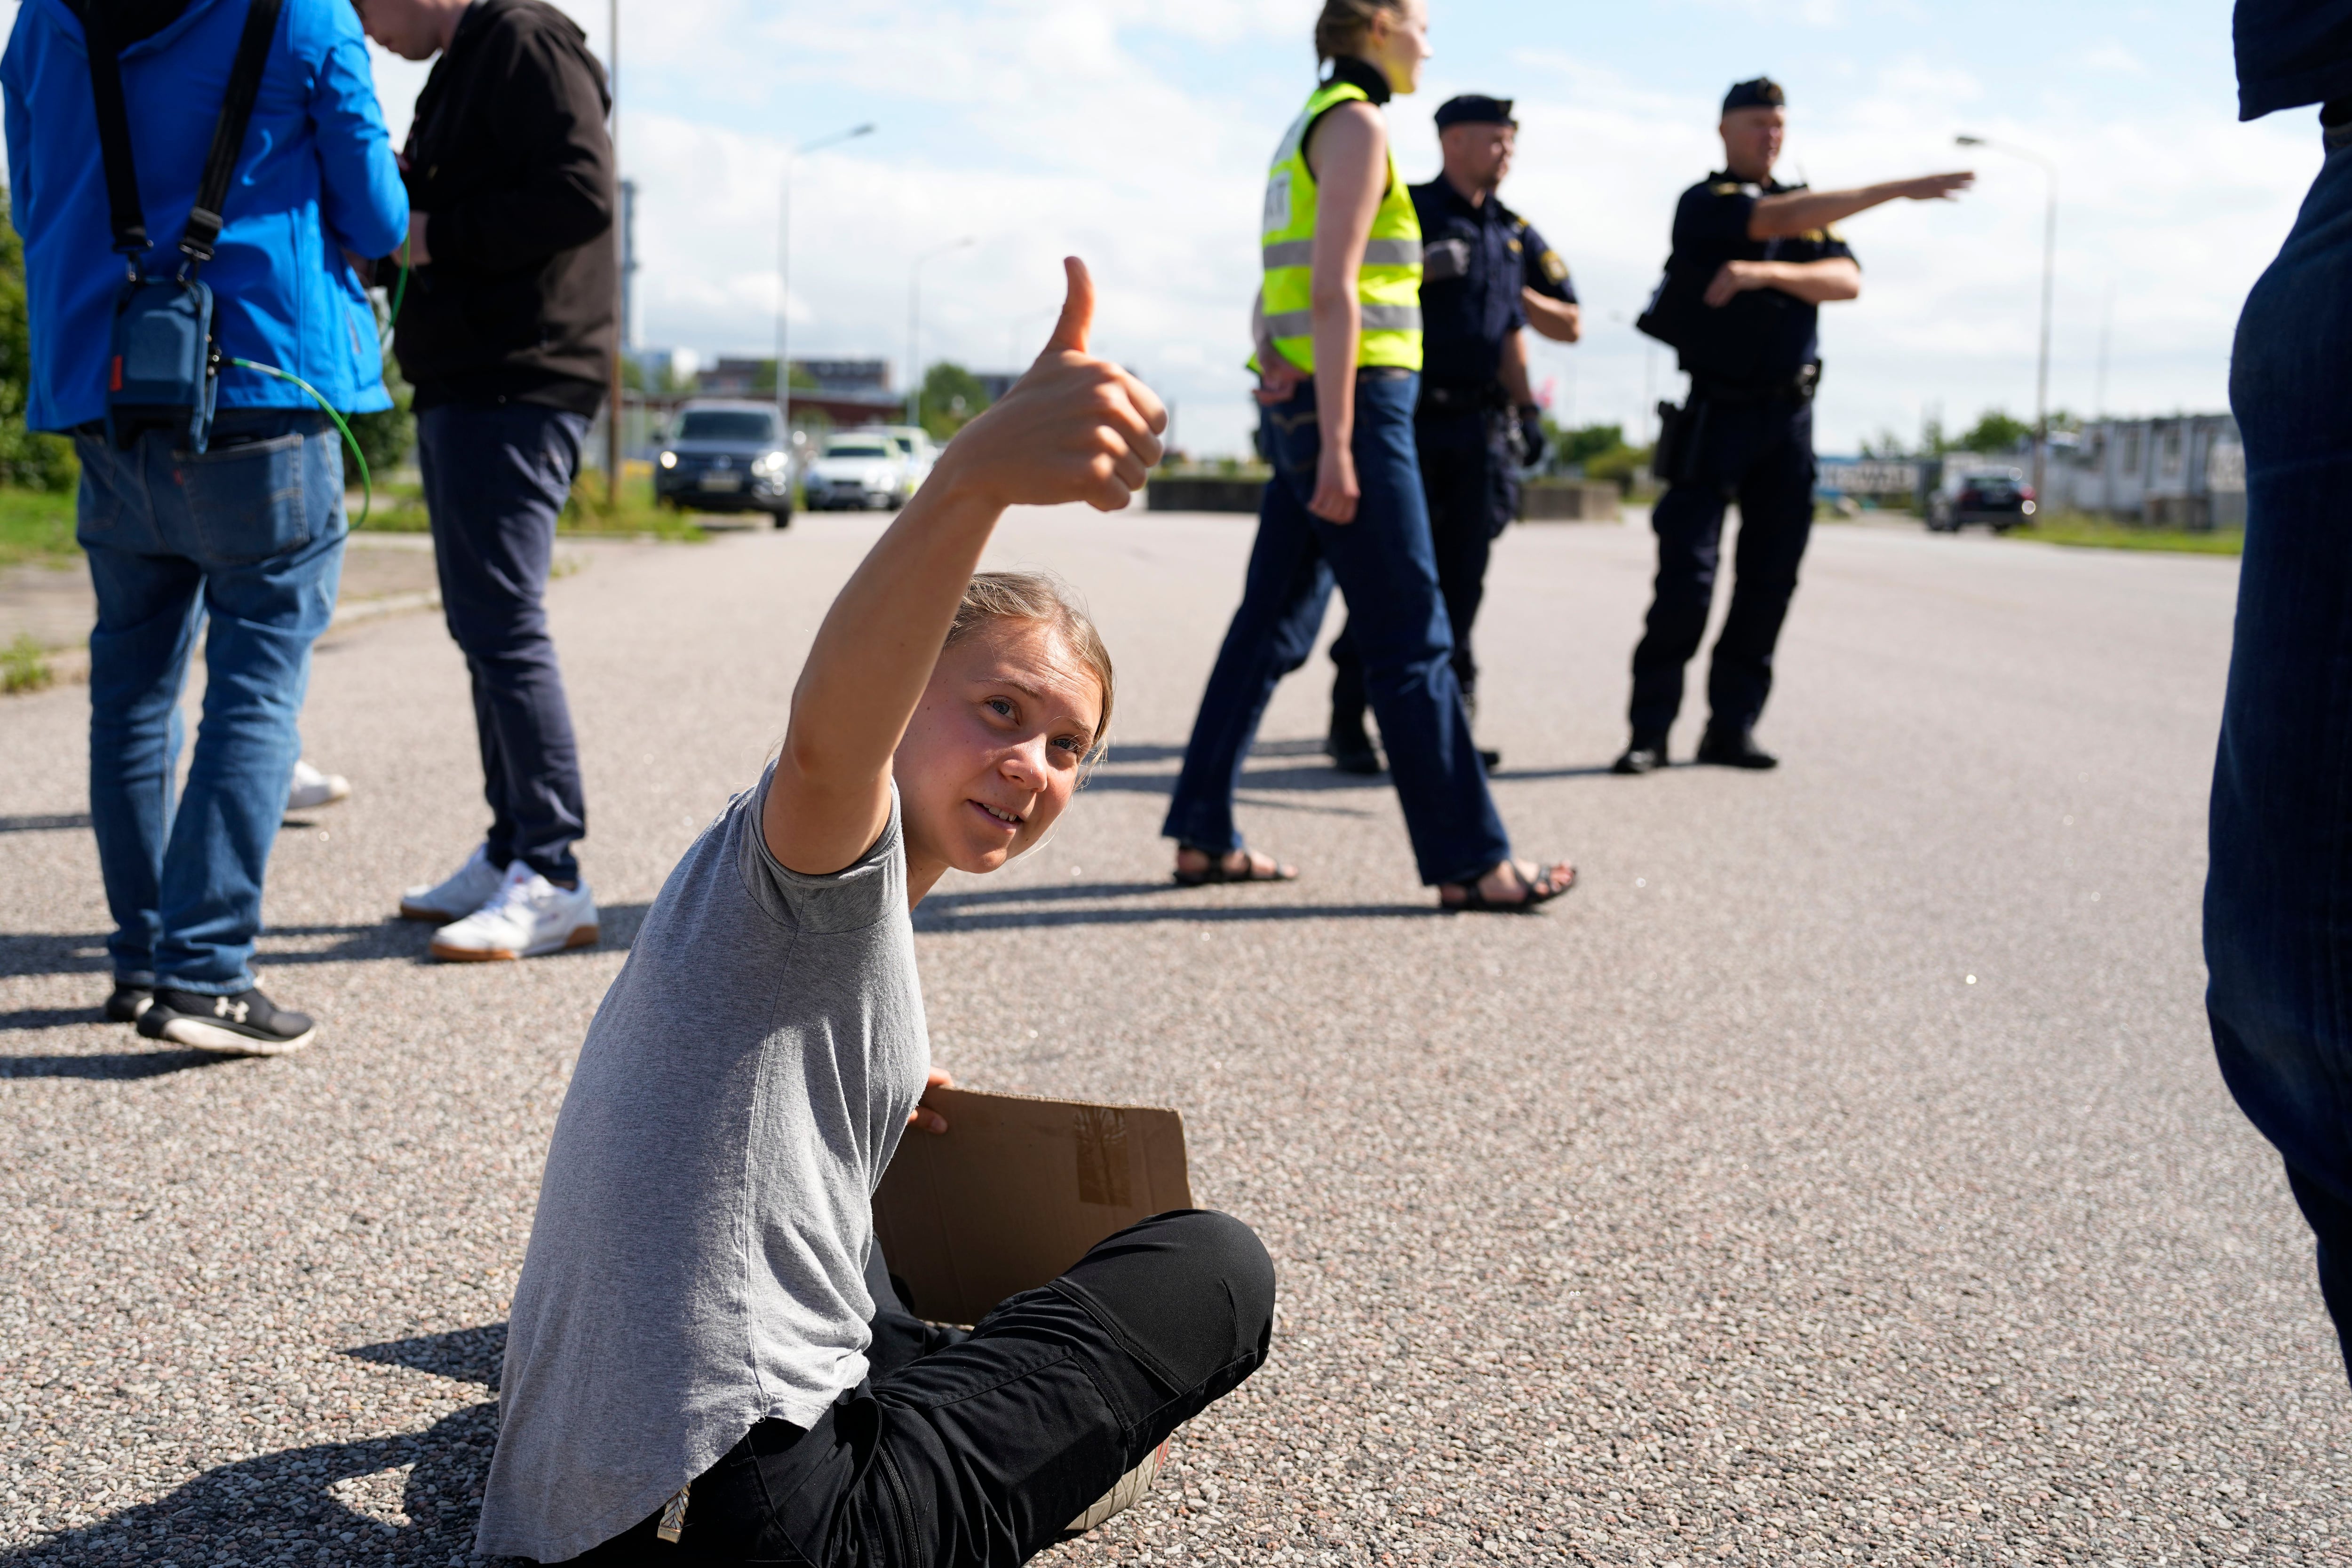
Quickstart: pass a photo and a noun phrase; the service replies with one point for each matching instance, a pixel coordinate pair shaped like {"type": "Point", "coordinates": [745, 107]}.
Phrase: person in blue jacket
{"type": "Point", "coordinates": [244, 539]}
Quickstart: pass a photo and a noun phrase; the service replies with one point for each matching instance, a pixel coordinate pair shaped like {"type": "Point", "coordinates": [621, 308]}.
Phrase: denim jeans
{"type": "Point", "coordinates": [248, 536]}
{"type": "Point", "coordinates": [1761, 453]}
{"type": "Point", "coordinates": [2278, 898]}
{"type": "Point", "coordinates": [978, 1450]}
{"type": "Point", "coordinates": [495, 477]}
{"type": "Point", "coordinates": [1386, 570]}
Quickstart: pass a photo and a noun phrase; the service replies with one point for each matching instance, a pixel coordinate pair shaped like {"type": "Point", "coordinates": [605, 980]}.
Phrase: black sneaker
{"type": "Point", "coordinates": [1734, 748]}
{"type": "Point", "coordinates": [1646, 755]}
{"type": "Point", "coordinates": [127, 1002]}
{"type": "Point", "coordinates": [246, 1024]}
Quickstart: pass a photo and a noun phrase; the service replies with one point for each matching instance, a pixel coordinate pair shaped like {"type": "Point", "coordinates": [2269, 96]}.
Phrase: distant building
{"type": "Point", "coordinates": [1898, 483]}
{"type": "Point", "coordinates": [996, 383]}
{"type": "Point", "coordinates": [2184, 472]}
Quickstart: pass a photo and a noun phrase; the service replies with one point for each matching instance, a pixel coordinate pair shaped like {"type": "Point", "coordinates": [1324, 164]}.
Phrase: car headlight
{"type": "Point", "coordinates": [768, 463]}
{"type": "Point", "coordinates": [2028, 508]}
{"type": "Point", "coordinates": [669, 459]}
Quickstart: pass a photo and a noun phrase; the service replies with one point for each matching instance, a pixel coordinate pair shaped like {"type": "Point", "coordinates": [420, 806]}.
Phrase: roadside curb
{"type": "Point", "coordinates": [70, 666]}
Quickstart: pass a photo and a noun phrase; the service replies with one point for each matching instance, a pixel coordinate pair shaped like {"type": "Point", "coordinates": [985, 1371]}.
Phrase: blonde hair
{"type": "Point", "coordinates": [1041, 598]}
{"type": "Point", "coordinates": [1340, 29]}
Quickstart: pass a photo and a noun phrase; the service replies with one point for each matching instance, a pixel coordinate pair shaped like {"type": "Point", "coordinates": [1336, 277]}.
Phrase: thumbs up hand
{"type": "Point", "coordinates": [1075, 428]}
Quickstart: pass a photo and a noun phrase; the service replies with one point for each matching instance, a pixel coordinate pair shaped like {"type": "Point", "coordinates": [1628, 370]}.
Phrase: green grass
{"type": "Point", "coordinates": [2083, 532]}
{"type": "Point", "coordinates": [400, 509]}
{"type": "Point", "coordinates": [23, 667]}
{"type": "Point", "coordinates": [37, 526]}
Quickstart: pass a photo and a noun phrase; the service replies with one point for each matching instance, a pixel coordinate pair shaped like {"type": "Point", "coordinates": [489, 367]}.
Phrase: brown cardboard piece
{"type": "Point", "coordinates": [1015, 1191]}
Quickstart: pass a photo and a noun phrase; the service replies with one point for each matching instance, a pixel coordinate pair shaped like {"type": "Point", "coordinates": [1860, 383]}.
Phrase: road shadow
{"type": "Point", "coordinates": [1017, 908]}
{"type": "Point", "coordinates": [470, 1356]}
{"type": "Point", "coordinates": [48, 825]}
{"type": "Point", "coordinates": [119, 1064]}
{"type": "Point", "coordinates": [24, 953]}
{"type": "Point", "coordinates": [408, 1499]}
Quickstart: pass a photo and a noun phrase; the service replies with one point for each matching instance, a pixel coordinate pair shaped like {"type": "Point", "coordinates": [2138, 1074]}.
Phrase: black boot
{"type": "Point", "coordinates": [1647, 754]}
{"type": "Point", "coordinates": [1734, 747]}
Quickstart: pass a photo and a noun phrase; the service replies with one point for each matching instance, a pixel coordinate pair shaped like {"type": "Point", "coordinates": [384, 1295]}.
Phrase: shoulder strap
{"type": "Point", "coordinates": [123, 215]}
{"type": "Point", "coordinates": [228, 131]}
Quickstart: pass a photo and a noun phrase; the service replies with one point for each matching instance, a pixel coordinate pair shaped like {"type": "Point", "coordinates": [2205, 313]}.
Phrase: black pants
{"type": "Point", "coordinates": [979, 1450]}
{"type": "Point", "coordinates": [1467, 474]}
{"type": "Point", "coordinates": [1762, 454]}
{"type": "Point", "coordinates": [496, 476]}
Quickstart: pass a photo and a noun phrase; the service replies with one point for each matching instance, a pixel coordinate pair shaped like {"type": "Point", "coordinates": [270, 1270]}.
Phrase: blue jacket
{"type": "Point", "coordinates": [315, 177]}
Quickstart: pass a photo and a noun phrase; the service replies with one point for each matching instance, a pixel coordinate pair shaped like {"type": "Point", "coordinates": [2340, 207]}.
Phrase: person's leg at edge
{"type": "Point", "coordinates": [1458, 482]}
{"type": "Point", "coordinates": [1283, 597]}
{"type": "Point", "coordinates": [499, 477]}
{"type": "Point", "coordinates": [1346, 739]}
{"type": "Point", "coordinates": [1386, 572]}
{"type": "Point", "coordinates": [983, 1452]}
{"type": "Point", "coordinates": [263, 611]}
{"type": "Point", "coordinates": [1776, 524]}
{"type": "Point", "coordinates": [1688, 521]}
{"type": "Point", "coordinates": [138, 649]}
{"type": "Point", "coordinates": [2281, 854]}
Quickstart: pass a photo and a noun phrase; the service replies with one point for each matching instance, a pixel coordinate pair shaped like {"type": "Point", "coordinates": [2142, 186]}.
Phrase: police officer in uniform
{"type": "Point", "coordinates": [1753, 260]}
{"type": "Point", "coordinates": [1486, 275]}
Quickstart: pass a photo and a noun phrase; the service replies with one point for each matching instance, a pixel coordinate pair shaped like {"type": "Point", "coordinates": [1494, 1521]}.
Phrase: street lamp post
{"type": "Point", "coordinates": [915, 325]}
{"type": "Point", "coordinates": [2049, 275]}
{"type": "Point", "coordinates": [785, 274]}
{"type": "Point", "coordinates": [620, 257]}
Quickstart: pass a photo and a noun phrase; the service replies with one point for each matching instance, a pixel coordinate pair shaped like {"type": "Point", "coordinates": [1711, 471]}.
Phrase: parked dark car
{"type": "Point", "coordinates": [727, 458]}
{"type": "Point", "coordinates": [1999, 498]}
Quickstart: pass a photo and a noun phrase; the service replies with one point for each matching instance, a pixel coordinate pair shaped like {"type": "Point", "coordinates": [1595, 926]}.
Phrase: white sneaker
{"type": "Point", "coordinates": [311, 788]}
{"type": "Point", "coordinates": [526, 917]}
{"type": "Point", "coordinates": [470, 887]}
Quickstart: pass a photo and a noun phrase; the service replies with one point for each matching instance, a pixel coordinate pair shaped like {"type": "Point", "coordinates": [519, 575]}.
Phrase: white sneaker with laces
{"type": "Point", "coordinates": [526, 917]}
{"type": "Point", "coordinates": [468, 888]}
{"type": "Point", "coordinates": [310, 789]}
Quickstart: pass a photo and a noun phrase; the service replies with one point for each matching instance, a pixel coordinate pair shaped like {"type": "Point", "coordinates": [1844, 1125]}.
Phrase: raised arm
{"type": "Point", "coordinates": [1348, 153]}
{"type": "Point", "coordinates": [1073, 429]}
{"type": "Point", "coordinates": [1795, 212]}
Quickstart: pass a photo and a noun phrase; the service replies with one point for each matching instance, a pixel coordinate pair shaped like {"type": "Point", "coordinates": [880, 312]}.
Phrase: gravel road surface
{"type": "Point", "coordinates": [1840, 1175]}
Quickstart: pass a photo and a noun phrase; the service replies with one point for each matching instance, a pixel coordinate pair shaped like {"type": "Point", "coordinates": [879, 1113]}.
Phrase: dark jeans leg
{"type": "Point", "coordinates": [2278, 937]}
{"type": "Point", "coordinates": [1688, 521]}
{"type": "Point", "coordinates": [495, 477]}
{"type": "Point", "coordinates": [1458, 482]}
{"type": "Point", "coordinates": [1347, 689]}
{"type": "Point", "coordinates": [1283, 599]}
{"type": "Point", "coordinates": [981, 1453]}
{"type": "Point", "coordinates": [1776, 522]}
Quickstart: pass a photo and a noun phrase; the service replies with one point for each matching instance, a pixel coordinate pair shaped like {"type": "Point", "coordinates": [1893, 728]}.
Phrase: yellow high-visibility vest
{"type": "Point", "coordinates": [1388, 285]}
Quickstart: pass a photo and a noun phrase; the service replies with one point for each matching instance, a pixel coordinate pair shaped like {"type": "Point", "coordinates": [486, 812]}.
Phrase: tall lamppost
{"type": "Point", "coordinates": [620, 259]}
{"type": "Point", "coordinates": [915, 324]}
{"type": "Point", "coordinates": [2049, 274]}
{"type": "Point", "coordinates": [785, 274]}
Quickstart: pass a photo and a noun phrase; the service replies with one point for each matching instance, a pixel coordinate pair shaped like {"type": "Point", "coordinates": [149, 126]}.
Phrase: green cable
{"type": "Point", "coordinates": [400, 290]}
{"type": "Point", "coordinates": [367, 483]}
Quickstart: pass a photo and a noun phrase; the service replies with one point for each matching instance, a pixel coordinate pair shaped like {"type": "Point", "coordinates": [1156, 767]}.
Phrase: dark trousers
{"type": "Point", "coordinates": [1760, 453]}
{"type": "Point", "coordinates": [1384, 567]}
{"type": "Point", "coordinates": [2278, 898]}
{"type": "Point", "coordinates": [495, 477]}
{"type": "Point", "coordinates": [979, 1450]}
{"type": "Point", "coordinates": [1465, 475]}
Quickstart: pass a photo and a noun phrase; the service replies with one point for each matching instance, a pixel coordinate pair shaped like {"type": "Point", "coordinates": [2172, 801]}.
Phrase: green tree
{"type": "Point", "coordinates": [951, 397]}
{"type": "Point", "coordinates": [34, 459]}
{"type": "Point", "coordinates": [385, 437]}
{"type": "Point", "coordinates": [1995, 431]}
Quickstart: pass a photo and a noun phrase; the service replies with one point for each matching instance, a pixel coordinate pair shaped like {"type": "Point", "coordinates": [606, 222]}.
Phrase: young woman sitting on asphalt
{"type": "Point", "coordinates": [704, 1348]}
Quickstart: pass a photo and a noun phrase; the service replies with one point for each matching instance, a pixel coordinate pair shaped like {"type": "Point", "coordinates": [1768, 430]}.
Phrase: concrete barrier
{"type": "Point", "coordinates": [1568, 501]}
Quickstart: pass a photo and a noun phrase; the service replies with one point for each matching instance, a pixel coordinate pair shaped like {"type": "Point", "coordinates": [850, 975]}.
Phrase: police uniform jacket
{"type": "Point", "coordinates": [1763, 338]}
{"type": "Point", "coordinates": [1474, 260]}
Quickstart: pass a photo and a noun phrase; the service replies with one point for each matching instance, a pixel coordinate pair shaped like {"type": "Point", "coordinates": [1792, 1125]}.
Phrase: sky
{"type": "Point", "coordinates": [1136, 135]}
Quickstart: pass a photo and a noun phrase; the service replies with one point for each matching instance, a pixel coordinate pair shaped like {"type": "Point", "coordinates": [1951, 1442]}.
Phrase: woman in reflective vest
{"type": "Point", "coordinates": [1339, 358]}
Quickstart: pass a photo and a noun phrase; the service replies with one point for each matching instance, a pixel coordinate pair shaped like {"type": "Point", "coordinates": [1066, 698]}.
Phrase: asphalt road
{"type": "Point", "coordinates": [1840, 1175]}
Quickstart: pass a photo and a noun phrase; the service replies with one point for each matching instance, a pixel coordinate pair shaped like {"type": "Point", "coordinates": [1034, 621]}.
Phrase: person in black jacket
{"type": "Point", "coordinates": [507, 324]}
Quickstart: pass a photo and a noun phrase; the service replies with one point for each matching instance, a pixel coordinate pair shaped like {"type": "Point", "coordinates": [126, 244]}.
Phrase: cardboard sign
{"type": "Point", "coordinates": [1015, 1191]}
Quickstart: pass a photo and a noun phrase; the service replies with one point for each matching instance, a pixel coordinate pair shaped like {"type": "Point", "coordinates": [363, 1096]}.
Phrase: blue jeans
{"type": "Point", "coordinates": [496, 479]}
{"type": "Point", "coordinates": [1386, 570]}
{"type": "Point", "coordinates": [2278, 899]}
{"type": "Point", "coordinates": [248, 536]}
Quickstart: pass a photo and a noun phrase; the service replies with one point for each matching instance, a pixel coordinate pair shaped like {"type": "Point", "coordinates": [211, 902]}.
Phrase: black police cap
{"type": "Point", "coordinates": [1474, 108]}
{"type": "Point", "coordinates": [1762, 93]}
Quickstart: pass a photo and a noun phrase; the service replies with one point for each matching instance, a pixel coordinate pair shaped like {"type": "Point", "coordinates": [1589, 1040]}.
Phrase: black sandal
{"type": "Point", "coordinates": [1541, 891]}
{"type": "Point", "coordinates": [1218, 872]}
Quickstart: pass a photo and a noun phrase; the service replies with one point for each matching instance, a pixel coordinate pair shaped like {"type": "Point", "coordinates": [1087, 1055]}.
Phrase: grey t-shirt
{"type": "Point", "coordinates": [696, 1262]}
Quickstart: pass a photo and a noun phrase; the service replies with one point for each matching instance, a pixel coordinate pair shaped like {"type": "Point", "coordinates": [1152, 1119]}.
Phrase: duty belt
{"type": "Point", "coordinates": [1462, 397]}
{"type": "Point", "coordinates": [1798, 387]}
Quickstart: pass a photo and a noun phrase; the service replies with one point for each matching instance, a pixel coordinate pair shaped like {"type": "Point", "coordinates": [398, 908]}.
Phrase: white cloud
{"type": "Point", "coordinates": [2113, 57]}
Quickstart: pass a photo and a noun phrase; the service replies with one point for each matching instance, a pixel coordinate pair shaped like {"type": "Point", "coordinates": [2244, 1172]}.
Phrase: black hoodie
{"type": "Point", "coordinates": [510, 160]}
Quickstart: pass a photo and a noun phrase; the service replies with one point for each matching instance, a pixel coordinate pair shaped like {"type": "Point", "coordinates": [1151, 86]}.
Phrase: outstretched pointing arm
{"type": "Point", "coordinates": [1074, 428]}
{"type": "Point", "coordinates": [1794, 213]}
